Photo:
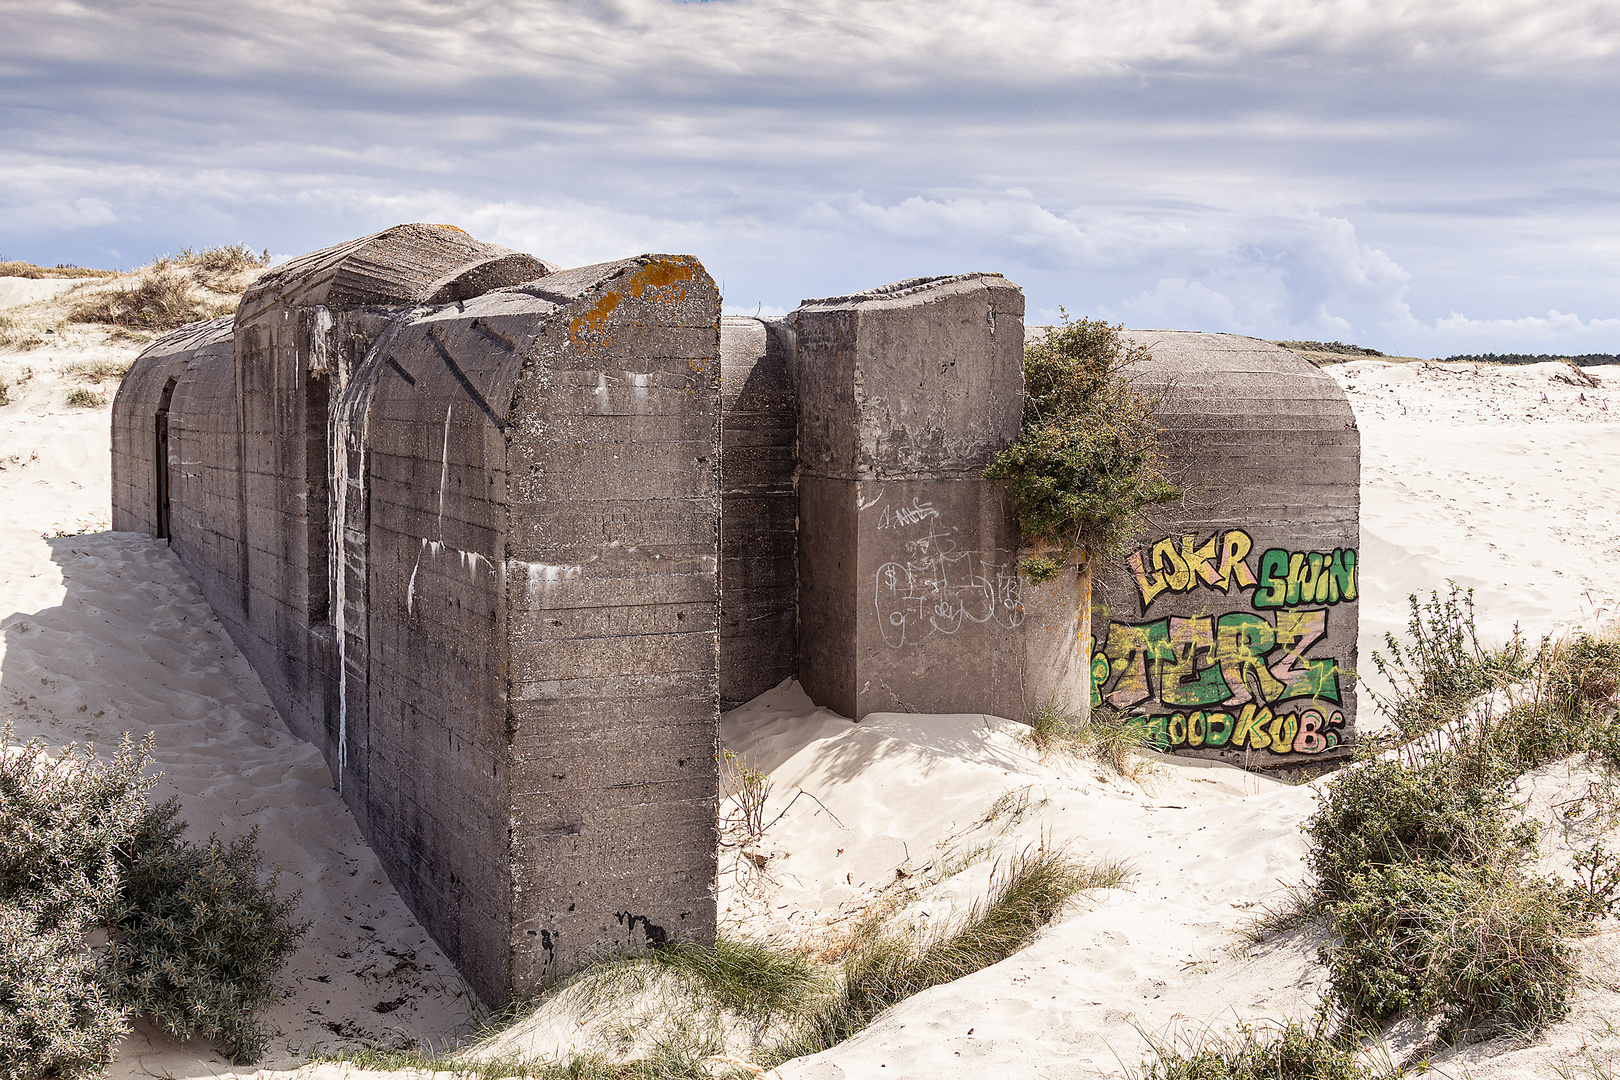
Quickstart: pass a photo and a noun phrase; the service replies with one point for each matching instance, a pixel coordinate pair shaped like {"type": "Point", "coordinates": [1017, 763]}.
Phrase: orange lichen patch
{"type": "Point", "coordinates": [661, 273]}
{"type": "Point", "coordinates": [452, 228]}
{"type": "Point", "coordinates": [594, 319]}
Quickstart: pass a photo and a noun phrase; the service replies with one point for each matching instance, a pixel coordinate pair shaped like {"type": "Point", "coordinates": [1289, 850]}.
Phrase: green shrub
{"type": "Point", "coordinates": [1087, 459]}
{"type": "Point", "coordinates": [198, 939]}
{"type": "Point", "coordinates": [1384, 813]}
{"type": "Point", "coordinates": [80, 398]}
{"type": "Point", "coordinates": [195, 940]}
{"type": "Point", "coordinates": [64, 824]}
{"type": "Point", "coordinates": [1479, 947]}
{"type": "Point", "coordinates": [56, 1018]}
{"type": "Point", "coordinates": [1441, 671]}
{"type": "Point", "coordinates": [1292, 1052]}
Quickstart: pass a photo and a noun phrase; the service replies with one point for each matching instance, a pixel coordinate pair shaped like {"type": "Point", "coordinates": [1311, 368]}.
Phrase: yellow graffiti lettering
{"type": "Point", "coordinates": [1175, 729]}
{"type": "Point", "coordinates": [1251, 728]}
{"type": "Point", "coordinates": [1235, 547]}
{"type": "Point", "coordinates": [1197, 728]}
{"type": "Point", "coordinates": [1168, 562]}
{"type": "Point", "coordinates": [1148, 583]}
{"type": "Point", "coordinates": [1197, 559]}
{"type": "Point", "coordinates": [1217, 729]}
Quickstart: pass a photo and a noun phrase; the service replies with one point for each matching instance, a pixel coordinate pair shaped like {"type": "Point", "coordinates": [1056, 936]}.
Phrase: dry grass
{"type": "Point", "coordinates": [15, 268]}
{"type": "Point", "coordinates": [175, 290]}
{"type": "Point", "coordinates": [98, 371]}
{"type": "Point", "coordinates": [13, 336]}
{"type": "Point", "coordinates": [885, 966]}
{"type": "Point", "coordinates": [81, 398]}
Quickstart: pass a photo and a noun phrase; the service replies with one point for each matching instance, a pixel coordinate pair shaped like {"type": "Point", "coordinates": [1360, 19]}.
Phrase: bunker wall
{"type": "Point", "coordinates": [759, 510]}
{"type": "Point", "coordinates": [1232, 624]}
{"type": "Point", "coordinates": [910, 596]}
{"type": "Point", "coordinates": [613, 578]}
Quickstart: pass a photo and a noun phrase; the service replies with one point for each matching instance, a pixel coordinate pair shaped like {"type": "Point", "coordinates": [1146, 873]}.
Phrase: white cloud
{"type": "Point", "coordinates": [1344, 168]}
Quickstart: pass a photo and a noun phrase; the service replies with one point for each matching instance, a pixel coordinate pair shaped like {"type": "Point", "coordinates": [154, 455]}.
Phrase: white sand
{"type": "Point", "coordinates": [1468, 474]}
{"type": "Point", "coordinates": [16, 291]}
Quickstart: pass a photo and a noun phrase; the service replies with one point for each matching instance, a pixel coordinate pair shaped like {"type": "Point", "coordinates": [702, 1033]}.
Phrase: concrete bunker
{"type": "Point", "coordinates": [502, 539]}
{"type": "Point", "coordinates": [460, 510]}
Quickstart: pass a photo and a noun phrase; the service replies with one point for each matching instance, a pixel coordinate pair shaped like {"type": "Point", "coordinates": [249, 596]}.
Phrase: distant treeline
{"type": "Point", "coordinates": [1585, 360]}
{"type": "Point", "coordinates": [1328, 347]}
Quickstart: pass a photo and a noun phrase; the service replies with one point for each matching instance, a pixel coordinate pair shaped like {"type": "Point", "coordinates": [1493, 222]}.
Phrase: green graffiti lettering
{"type": "Point", "coordinates": [1217, 729]}
{"type": "Point", "coordinates": [1241, 643]}
{"type": "Point", "coordinates": [1296, 573]}
{"type": "Point", "coordinates": [1157, 738]}
{"type": "Point", "coordinates": [1273, 588]}
{"type": "Point", "coordinates": [1297, 631]}
{"type": "Point", "coordinates": [1193, 677]}
{"type": "Point", "coordinates": [1342, 575]}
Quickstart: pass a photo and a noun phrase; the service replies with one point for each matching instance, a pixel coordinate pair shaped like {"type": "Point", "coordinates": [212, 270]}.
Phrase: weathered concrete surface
{"type": "Point", "coordinates": [759, 510]}
{"type": "Point", "coordinates": [909, 593]}
{"type": "Point", "coordinates": [1232, 625]}
{"type": "Point", "coordinates": [469, 539]}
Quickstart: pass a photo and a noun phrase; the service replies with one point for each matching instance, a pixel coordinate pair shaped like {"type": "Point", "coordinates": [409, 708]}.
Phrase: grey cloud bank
{"type": "Point", "coordinates": [1425, 180]}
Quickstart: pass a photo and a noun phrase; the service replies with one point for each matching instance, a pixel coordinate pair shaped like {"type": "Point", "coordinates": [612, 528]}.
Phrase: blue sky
{"type": "Point", "coordinates": [1425, 177]}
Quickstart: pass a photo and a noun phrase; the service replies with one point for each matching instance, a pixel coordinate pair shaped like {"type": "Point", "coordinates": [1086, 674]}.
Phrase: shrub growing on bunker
{"type": "Point", "coordinates": [1087, 458]}
{"type": "Point", "coordinates": [194, 938]}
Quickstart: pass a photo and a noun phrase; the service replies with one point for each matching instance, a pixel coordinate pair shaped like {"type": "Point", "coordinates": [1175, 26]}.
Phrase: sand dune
{"type": "Point", "coordinates": [1502, 479]}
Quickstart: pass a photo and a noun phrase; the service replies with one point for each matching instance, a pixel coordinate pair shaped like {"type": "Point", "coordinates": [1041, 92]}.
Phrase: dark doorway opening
{"type": "Point", "coordinates": [160, 459]}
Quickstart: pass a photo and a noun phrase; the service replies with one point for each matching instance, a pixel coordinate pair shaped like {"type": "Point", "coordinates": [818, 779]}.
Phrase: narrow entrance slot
{"type": "Point", "coordinates": [318, 495]}
{"type": "Point", "coordinates": [160, 460]}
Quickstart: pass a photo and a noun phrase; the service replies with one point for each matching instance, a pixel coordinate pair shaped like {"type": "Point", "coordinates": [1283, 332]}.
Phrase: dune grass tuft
{"type": "Point", "coordinates": [1293, 1051]}
{"type": "Point", "coordinates": [19, 269]}
{"type": "Point", "coordinates": [885, 966]}
{"type": "Point", "coordinates": [1103, 738]}
{"type": "Point", "coordinates": [97, 371]}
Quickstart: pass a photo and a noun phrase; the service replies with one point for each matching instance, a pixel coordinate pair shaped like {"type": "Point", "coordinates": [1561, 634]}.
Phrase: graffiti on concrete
{"type": "Point", "coordinates": [937, 589]}
{"type": "Point", "coordinates": [1208, 660]}
{"type": "Point", "coordinates": [1261, 679]}
{"type": "Point", "coordinates": [905, 517]}
{"type": "Point", "coordinates": [1179, 564]}
{"type": "Point", "coordinates": [1253, 727]}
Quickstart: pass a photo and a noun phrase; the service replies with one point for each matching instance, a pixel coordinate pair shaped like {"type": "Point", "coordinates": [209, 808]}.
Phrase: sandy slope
{"type": "Point", "coordinates": [103, 633]}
